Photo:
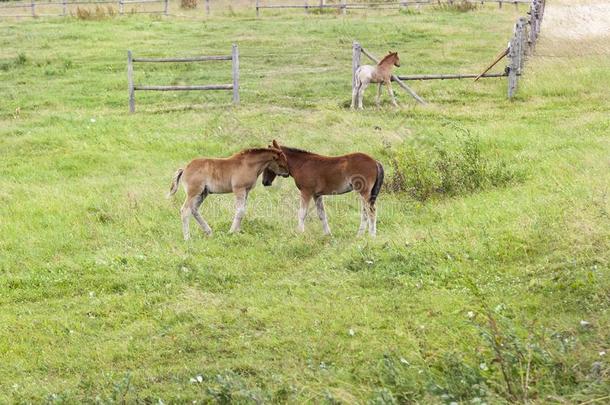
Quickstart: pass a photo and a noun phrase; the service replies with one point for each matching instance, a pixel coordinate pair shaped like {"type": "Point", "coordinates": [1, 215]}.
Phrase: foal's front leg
{"type": "Point", "coordinates": [391, 92]}
{"type": "Point", "coordinates": [305, 197]}
{"type": "Point", "coordinates": [241, 195]}
{"type": "Point", "coordinates": [322, 215]}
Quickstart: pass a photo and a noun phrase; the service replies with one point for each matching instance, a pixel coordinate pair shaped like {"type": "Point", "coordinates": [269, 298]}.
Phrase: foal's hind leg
{"type": "Point", "coordinates": [372, 211]}
{"type": "Point", "coordinates": [185, 214]}
{"type": "Point", "coordinates": [363, 217]}
{"type": "Point", "coordinates": [322, 215]}
{"type": "Point", "coordinates": [197, 201]}
{"type": "Point", "coordinates": [361, 89]}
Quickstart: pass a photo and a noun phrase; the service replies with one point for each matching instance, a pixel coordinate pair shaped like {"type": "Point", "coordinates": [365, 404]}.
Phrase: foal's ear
{"type": "Point", "coordinates": [275, 144]}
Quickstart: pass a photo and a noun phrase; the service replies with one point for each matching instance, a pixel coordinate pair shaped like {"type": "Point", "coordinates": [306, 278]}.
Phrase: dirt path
{"type": "Point", "coordinates": [571, 27]}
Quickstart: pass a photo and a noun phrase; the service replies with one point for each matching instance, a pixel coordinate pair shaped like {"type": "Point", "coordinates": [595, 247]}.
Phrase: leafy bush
{"type": "Point", "coordinates": [462, 6]}
{"type": "Point", "coordinates": [188, 4]}
{"type": "Point", "coordinates": [446, 170]}
{"type": "Point", "coordinates": [98, 14]}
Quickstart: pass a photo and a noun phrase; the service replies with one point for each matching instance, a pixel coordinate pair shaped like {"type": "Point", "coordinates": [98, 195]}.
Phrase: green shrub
{"type": "Point", "coordinates": [462, 6]}
{"type": "Point", "coordinates": [99, 13]}
{"type": "Point", "coordinates": [188, 4]}
{"type": "Point", "coordinates": [446, 170]}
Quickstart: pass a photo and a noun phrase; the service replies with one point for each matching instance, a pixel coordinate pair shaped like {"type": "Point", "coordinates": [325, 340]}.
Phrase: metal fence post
{"type": "Point", "coordinates": [121, 7]}
{"type": "Point", "coordinates": [132, 92]}
{"type": "Point", "coordinates": [33, 5]}
{"type": "Point", "coordinates": [235, 65]}
{"type": "Point", "coordinates": [166, 7]}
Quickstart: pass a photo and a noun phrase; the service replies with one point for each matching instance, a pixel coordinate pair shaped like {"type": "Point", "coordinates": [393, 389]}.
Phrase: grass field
{"type": "Point", "coordinates": [492, 294]}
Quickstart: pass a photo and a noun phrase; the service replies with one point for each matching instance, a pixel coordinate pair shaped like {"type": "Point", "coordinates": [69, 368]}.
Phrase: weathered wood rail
{"type": "Point", "coordinates": [34, 7]}
{"type": "Point", "coordinates": [521, 44]}
{"type": "Point", "coordinates": [343, 5]}
{"type": "Point", "coordinates": [234, 86]}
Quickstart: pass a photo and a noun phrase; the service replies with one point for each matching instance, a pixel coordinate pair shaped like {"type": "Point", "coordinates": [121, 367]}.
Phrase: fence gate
{"type": "Point", "coordinates": [234, 58]}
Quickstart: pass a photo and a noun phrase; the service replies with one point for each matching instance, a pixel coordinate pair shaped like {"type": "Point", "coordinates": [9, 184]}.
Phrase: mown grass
{"type": "Point", "coordinates": [457, 299]}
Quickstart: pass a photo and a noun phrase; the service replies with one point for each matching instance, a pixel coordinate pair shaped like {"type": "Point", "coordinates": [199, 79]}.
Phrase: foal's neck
{"type": "Point", "coordinates": [386, 64]}
{"type": "Point", "coordinates": [295, 158]}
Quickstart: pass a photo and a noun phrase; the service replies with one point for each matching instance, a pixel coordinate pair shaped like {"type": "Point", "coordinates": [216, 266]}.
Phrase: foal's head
{"type": "Point", "coordinates": [391, 58]}
{"type": "Point", "coordinates": [279, 166]}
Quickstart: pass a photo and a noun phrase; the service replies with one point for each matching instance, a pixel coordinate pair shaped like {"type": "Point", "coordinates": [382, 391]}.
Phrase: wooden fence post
{"type": "Point", "coordinates": [64, 8]}
{"type": "Point", "coordinates": [132, 92]}
{"type": "Point", "coordinates": [515, 53]}
{"type": "Point", "coordinates": [356, 51]}
{"type": "Point", "coordinates": [343, 7]}
{"type": "Point", "coordinates": [33, 5]}
{"type": "Point", "coordinates": [522, 24]}
{"type": "Point", "coordinates": [166, 7]}
{"type": "Point", "coordinates": [207, 7]}
{"type": "Point", "coordinates": [534, 24]}
{"type": "Point", "coordinates": [257, 8]}
{"type": "Point", "coordinates": [121, 7]}
{"type": "Point", "coordinates": [321, 4]}
{"type": "Point", "coordinates": [235, 64]}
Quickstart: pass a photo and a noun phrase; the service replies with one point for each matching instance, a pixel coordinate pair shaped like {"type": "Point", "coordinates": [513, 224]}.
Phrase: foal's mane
{"type": "Point", "coordinates": [253, 150]}
{"type": "Point", "coordinates": [296, 150]}
{"type": "Point", "coordinates": [389, 55]}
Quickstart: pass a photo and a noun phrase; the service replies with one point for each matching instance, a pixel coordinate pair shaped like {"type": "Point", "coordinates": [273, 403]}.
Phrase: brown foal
{"type": "Point", "coordinates": [237, 174]}
{"type": "Point", "coordinates": [316, 176]}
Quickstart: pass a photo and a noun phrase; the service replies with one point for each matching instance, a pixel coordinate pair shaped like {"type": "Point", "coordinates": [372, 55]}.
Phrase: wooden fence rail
{"type": "Point", "coordinates": [234, 86]}
{"type": "Point", "coordinates": [64, 4]}
{"type": "Point", "coordinates": [343, 5]}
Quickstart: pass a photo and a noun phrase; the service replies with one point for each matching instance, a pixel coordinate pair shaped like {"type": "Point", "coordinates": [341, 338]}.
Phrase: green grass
{"type": "Point", "coordinates": [102, 300]}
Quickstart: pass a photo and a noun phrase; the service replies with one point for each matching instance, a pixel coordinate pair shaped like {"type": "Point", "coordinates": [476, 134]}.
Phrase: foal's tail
{"type": "Point", "coordinates": [377, 185]}
{"type": "Point", "coordinates": [175, 181]}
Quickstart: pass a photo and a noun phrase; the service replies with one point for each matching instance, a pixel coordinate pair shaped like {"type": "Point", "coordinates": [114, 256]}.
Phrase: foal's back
{"type": "Point", "coordinates": [215, 175]}
{"type": "Point", "coordinates": [326, 175]}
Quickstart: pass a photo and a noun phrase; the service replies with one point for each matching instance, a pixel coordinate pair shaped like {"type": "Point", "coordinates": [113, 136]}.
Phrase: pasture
{"type": "Point", "coordinates": [493, 289]}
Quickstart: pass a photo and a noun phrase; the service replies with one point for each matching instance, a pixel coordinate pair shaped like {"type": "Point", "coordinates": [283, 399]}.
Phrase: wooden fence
{"type": "Point", "coordinates": [522, 43]}
{"type": "Point", "coordinates": [34, 7]}
{"type": "Point", "coordinates": [343, 5]}
{"type": "Point", "coordinates": [234, 58]}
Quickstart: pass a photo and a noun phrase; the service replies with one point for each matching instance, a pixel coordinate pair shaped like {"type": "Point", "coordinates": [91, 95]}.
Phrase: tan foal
{"type": "Point", "coordinates": [236, 174]}
{"type": "Point", "coordinates": [380, 74]}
